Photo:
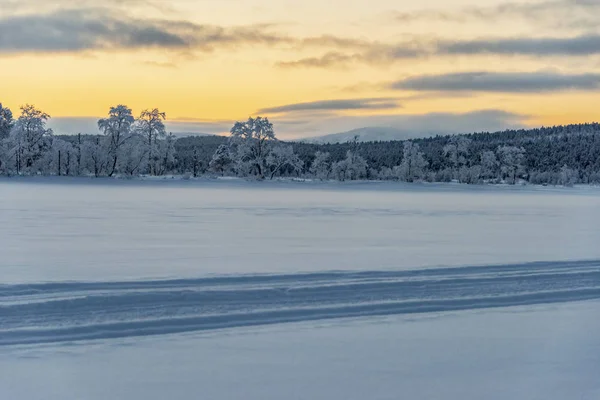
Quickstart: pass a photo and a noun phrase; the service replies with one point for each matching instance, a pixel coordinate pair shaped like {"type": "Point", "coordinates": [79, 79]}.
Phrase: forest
{"type": "Point", "coordinates": [130, 146]}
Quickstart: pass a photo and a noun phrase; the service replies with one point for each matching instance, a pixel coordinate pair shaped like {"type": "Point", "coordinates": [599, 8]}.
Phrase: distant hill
{"type": "Point", "coordinates": [369, 134]}
{"type": "Point", "coordinates": [186, 134]}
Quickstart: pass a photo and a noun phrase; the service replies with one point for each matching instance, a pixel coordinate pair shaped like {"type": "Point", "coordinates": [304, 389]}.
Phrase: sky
{"type": "Point", "coordinates": [313, 67]}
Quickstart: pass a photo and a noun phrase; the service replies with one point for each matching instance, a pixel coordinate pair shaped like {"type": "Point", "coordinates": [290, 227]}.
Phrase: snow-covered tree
{"type": "Point", "coordinates": [29, 139]}
{"type": "Point", "coordinates": [94, 156]}
{"type": "Point", "coordinates": [457, 152]}
{"type": "Point", "coordinates": [252, 142]}
{"type": "Point", "coordinates": [151, 126]}
{"type": "Point", "coordinates": [61, 159]}
{"type": "Point", "coordinates": [511, 162]}
{"type": "Point", "coordinates": [134, 155]}
{"type": "Point", "coordinates": [6, 122]}
{"type": "Point", "coordinates": [470, 175]}
{"type": "Point", "coordinates": [567, 176]}
{"type": "Point", "coordinates": [221, 160]}
{"type": "Point", "coordinates": [321, 166]}
{"type": "Point", "coordinates": [489, 165]}
{"type": "Point", "coordinates": [353, 167]}
{"type": "Point", "coordinates": [281, 158]}
{"type": "Point", "coordinates": [117, 129]}
{"type": "Point", "coordinates": [166, 154]}
{"type": "Point", "coordinates": [413, 164]}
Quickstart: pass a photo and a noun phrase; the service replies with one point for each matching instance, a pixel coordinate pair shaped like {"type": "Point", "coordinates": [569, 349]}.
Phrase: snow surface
{"type": "Point", "coordinates": [520, 353]}
{"type": "Point", "coordinates": [228, 289]}
{"type": "Point", "coordinates": [110, 230]}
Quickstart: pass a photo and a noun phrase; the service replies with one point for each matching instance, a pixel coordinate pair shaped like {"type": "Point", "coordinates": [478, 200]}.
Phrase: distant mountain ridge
{"type": "Point", "coordinates": [366, 134]}
{"type": "Point", "coordinates": [389, 134]}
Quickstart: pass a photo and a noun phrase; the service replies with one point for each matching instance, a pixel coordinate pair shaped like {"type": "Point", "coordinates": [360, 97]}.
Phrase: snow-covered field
{"type": "Point", "coordinates": [220, 290]}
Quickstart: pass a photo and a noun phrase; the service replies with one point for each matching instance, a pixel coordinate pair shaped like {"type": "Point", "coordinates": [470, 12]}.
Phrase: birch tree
{"type": "Point", "coordinates": [151, 125]}
{"type": "Point", "coordinates": [117, 129]}
{"type": "Point", "coordinates": [252, 142]}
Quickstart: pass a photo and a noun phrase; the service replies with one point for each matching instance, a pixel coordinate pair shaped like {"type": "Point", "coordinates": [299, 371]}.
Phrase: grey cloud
{"type": "Point", "coordinates": [325, 61]}
{"type": "Point", "coordinates": [385, 103]}
{"type": "Point", "coordinates": [577, 46]}
{"type": "Point", "coordinates": [519, 82]}
{"type": "Point", "coordinates": [100, 29]}
{"type": "Point", "coordinates": [376, 54]}
{"type": "Point", "coordinates": [583, 45]}
{"type": "Point", "coordinates": [550, 13]}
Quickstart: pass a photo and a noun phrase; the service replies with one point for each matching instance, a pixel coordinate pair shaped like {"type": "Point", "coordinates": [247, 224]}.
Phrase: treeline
{"type": "Point", "coordinates": [127, 145]}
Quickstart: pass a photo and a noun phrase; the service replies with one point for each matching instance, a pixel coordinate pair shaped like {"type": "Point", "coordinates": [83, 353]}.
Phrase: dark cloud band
{"type": "Point", "coordinates": [100, 29]}
{"type": "Point", "coordinates": [336, 105]}
{"type": "Point", "coordinates": [520, 82]}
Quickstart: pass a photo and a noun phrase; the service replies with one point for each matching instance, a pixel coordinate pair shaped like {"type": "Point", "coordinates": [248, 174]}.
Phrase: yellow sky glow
{"type": "Point", "coordinates": [233, 81]}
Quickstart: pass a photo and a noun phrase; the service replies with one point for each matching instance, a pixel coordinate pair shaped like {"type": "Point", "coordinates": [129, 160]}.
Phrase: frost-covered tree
{"type": "Point", "coordinates": [221, 160]}
{"type": "Point", "coordinates": [61, 159]}
{"type": "Point", "coordinates": [489, 165]}
{"type": "Point", "coordinates": [29, 139]}
{"type": "Point", "coordinates": [457, 152]}
{"type": "Point", "coordinates": [321, 165]}
{"type": "Point", "coordinates": [281, 158]}
{"type": "Point", "coordinates": [511, 162]}
{"type": "Point", "coordinates": [414, 165]}
{"type": "Point", "coordinates": [252, 142]}
{"type": "Point", "coordinates": [567, 176]}
{"type": "Point", "coordinates": [117, 129]}
{"type": "Point", "coordinates": [166, 154]}
{"type": "Point", "coordinates": [353, 167]}
{"type": "Point", "coordinates": [6, 122]}
{"type": "Point", "coordinates": [94, 156]}
{"type": "Point", "coordinates": [150, 125]}
{"type": "Point", "coordinates": [134, 155]}
{"type": "Point", "coordinates": [470, 175]}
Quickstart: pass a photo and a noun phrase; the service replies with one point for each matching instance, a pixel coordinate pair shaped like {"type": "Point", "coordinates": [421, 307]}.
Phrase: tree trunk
{"type": "Point", "coordinates": [114, 166]}
{"type": "Point", "coordinates": [79, 154]}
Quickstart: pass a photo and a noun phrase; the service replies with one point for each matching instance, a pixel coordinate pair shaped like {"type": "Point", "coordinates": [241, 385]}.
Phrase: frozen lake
{"type": "Point", "coordinates": [220, 290]}
{"type": "Point", "coordinates": [55, 230]}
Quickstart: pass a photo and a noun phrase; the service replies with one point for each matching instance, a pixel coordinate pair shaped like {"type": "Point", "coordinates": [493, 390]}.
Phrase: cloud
{"type": "Point", "coordinates": [19, 6]}
{"type": "Point", "coordinates": [552, 13]}
{"type": "Point", "coordinates": [327, 60]}
{"type": "Point", "coordinates": [101, 29]}
{"type": "Point", "coordinates": [84, 27]}
{"type": "Point", "coordinates": [583, 45]}
{"type": "Point", "coordinates": [384, 103]}
{"type": "Point", "coordinates": [510, 82]}
{"type": "Point", "coordinates": [379, 54]}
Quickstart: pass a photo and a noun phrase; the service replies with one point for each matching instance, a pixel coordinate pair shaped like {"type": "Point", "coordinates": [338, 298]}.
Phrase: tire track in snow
{"type": "Point", "coordinates": [71, 311]}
